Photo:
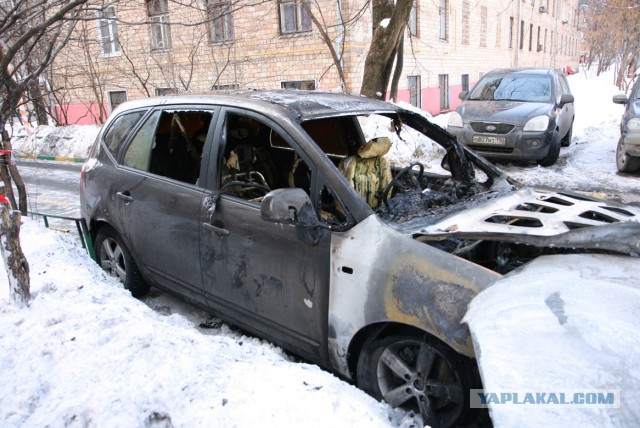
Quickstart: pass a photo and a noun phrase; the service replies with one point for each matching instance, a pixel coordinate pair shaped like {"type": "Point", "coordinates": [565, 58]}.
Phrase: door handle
{"type": "Point", "coordinates": [220, 231]}
{"type": "Point", "coordinates": [125, 196]}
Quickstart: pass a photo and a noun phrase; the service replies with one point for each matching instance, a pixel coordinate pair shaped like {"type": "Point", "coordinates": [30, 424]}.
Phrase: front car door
{"type": "Point", "coordinates": [266, 277]}
{"type": "Point", "coordinates": [565, 117]}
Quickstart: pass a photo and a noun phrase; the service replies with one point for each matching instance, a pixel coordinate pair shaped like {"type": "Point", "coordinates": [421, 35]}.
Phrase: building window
{"type": "Point", "coordinates": [294, 17]}
{"type": "Point", "coordinates": [530, 36]}
{"type": "Point", "coordinates": [116, 98]}
{"type": "Point", "coordinates": [466, 7]}
{"type": "Point", "coordinates": [442, 11]}
{"type": "Point", "coordinates": [483, 26]}
{"type": "Point", "coordinates": [158, 11]}
{"type": "Point", "coordinates": [544, 45]}
{"type": "Point", "coordinates": [443, 84]}
{"type": "Point", "coordinates": [306, 85]}
{"type": "Point", "coordinates": [511, 22]}
{"type": "Point", "coordinates": [465, 82]}
{"type": "Point", "coordinates": [220, 21]}
{"type": "Point", "coordinates": [538, 44]}
{"type": "Point", "coordinates": [413, 82]}
{"type": "Point", "coordinates": [108, 31]}
{"type": "Point", "coordinates": [521, 34]}
{"type": "Point", "coordinates": [225, 87]}
{"type": "Point", "coordinates": [166, 91]}
{"type": "Point", "coordinates": [413, 20]}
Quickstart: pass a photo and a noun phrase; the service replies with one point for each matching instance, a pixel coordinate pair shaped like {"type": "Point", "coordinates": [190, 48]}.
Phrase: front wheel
{"type": "Point", "coordinates": [566, 140]}
{"type": "Point", "coordinates": [624, 162]}
{"type": "Point", "coordinates": [114, 257]}
{"type": "Point", "coordinates": [554, 151]}
{"type": "Point", "coordinates": [421, 374]}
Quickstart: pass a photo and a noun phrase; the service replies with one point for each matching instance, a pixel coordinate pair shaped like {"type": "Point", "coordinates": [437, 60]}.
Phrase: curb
{"type": "Point", "coordinates": [52, 158]}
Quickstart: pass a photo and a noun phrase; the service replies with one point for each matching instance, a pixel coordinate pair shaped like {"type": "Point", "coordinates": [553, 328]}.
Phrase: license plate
{"type": "Point", "coordinates": [481, 139]}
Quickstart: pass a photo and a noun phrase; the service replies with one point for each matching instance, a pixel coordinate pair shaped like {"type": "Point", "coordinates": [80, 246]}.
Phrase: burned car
{"type": "Point", "coordinates": [350, 231]}
{"type": "Point", "coordinates": [523, 114]}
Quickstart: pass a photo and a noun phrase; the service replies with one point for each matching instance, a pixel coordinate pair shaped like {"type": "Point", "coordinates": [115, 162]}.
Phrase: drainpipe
{"type": "Point", "coordinates": [518, 34]}
{"type": "Point", "coordinates": [339, 40]}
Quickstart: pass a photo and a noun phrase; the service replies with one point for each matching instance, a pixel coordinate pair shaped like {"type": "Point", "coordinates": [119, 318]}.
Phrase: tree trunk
{"type": "Point", "coordinates": [14, 260]}
{"type": "Point", "coordinates": [384, 43]}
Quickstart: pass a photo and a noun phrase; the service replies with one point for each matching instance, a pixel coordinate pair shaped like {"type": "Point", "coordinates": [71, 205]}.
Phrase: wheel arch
{"type": "Point", "coordinates": [379, 331]}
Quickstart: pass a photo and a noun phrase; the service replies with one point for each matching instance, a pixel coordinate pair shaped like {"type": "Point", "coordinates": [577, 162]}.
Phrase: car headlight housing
{"type": "Point", "coordinates": [634, 125]}
{"type": "Point", "coordinates": [455, 120]}
{"type": "Point", "coordinates": [538, 123]}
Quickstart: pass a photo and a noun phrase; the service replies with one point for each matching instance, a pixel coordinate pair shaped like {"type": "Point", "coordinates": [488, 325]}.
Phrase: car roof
{"type": "Point", "coordinates": [303, 105]}
{"type": "Point", "coordinates": [524, 70]}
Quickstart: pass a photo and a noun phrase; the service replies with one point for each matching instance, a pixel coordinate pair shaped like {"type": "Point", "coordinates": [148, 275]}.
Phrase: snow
{"type": "Point", "coordinates": [572, 326]}
{"type": "Point", "coordinates": [85, 353]}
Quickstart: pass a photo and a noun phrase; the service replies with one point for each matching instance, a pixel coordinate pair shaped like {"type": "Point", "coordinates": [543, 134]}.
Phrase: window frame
{"type": "Point", "coordinates": [159, 26]}
{"type": "Point", "coordinates": [111, 105]}
{"type": "Point", "coordinates": [302, 23]}
{"type": "Point", "coordinates": [443, 10]}
{"type": "Point", "coordinates": [220, 16]}
{"type": "Point", "coordinates": [414, 85]}
{"type": "Point", "coordinates": [106, 19]}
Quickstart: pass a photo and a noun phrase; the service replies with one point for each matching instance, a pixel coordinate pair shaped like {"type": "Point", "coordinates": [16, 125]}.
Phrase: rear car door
{"type": "Point", "coordinates": [159, 194]}
{"type": "Point", "coordinates": [264, 276]}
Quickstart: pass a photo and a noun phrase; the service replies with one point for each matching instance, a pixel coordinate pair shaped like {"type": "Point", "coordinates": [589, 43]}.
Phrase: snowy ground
{"type": "Point", "coordinates": [87, 354]}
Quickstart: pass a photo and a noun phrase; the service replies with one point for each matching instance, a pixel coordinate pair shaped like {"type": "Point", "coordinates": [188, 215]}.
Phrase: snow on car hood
{"type": "Point", "coordinates": [544, 219]}
{"type": "Point", "coordinates": [517, 112]}
{"type": "Point", "coordinates": [561, 324]}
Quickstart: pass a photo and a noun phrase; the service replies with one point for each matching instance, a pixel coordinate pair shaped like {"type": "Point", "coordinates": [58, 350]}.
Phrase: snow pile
{"type": "Point", "coordinates": [85, 353]}
{"type": "Point", "coordinates": [65, 141]}
{"type": "Point", "coordinates": [562, 324]}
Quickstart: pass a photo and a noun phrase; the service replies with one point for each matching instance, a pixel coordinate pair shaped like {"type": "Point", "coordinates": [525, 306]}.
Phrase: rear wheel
{"type": "Point", "coordinates": [554, 151]}
{"type": "Point", "coordinates": [114, 257]}
{"type": "Point", "coordinates": [624, 162]}
{"type": "Point", "coordinates": [422, 374]}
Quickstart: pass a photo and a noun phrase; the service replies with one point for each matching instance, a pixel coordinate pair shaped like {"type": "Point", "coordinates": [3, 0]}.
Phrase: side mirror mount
{"type": "Point", "coordinates": [294, 207]}
{"type": "Point", "coordinates": [620, 99]}
{"type": "Point", "coordinates": [463, 94]}
{"type": "Point", "coordinates": [566, 99]}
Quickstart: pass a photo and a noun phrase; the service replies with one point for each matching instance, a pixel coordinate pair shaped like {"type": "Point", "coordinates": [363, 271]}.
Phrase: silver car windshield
{"type": "Point", "coordinates": [513, 88]}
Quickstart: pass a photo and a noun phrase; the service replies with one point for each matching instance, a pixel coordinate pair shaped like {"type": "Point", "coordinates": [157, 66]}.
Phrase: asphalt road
{"type": "Point", "coordinates": [52, 188]}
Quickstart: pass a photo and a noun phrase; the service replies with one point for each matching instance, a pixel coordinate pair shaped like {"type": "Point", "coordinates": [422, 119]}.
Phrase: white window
{"type": "Point", "coordinates": [414, 90]}
{"type": "Point", "coordinates": [108, 31]}
{"type": "Point", "coordinates": [294, 17]}
{"type": "Point", "coordinates": [220, 20]}
{"type": "Point", "coordinates": [413, 19]}
{"type": "Point", "coordinates": [443, 83]}
{"type": "Point", "coordinates": [442, 12]}
{"type": "Point", "coordinates": [158, 11]}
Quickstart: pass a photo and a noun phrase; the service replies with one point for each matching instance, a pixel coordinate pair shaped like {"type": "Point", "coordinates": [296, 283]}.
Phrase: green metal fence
{"type": "Point", "coordinates": [81, 226]}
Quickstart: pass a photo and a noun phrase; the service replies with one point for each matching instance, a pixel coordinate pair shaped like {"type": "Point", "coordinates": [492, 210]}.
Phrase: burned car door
{"type": "Point", "coordinates": [269, 278]}
{"type": "Point", "coordinates": [162, 196]}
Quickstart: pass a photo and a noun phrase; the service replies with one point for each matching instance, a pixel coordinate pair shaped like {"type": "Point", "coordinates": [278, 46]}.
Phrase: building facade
{"type": "Point", "coordinates": [140, 48]}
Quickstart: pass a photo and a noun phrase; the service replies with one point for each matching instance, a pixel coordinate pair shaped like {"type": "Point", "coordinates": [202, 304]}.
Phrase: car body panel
{"type": "Point", "coordinates": [631, 111]}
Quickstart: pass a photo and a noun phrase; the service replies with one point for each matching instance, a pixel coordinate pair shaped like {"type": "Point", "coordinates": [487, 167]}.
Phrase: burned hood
{"type": "Point", "coordinates": [543, 219]}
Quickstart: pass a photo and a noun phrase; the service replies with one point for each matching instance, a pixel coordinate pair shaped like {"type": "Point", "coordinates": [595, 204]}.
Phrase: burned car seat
{"type": "Point", "coordinates": [368, 171]}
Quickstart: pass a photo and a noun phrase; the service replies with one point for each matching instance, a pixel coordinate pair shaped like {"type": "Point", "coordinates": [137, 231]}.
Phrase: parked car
{"type": "Point", "coordinates": [279, 212]}
{"type": "Point", "coordinates": [523, 114]}
{"type": "Point", "coordinates": [628, 151]}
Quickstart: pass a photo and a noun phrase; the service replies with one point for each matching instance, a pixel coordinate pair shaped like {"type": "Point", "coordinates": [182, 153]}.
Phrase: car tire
{"type": "Point", "coordinates": [624, 162]}
{"type": "Point", "coordinates": [554, 151]}
{"type": "Point", "coordinates": [566, 140]}
{"type": "Point", "coordinates": [421, 374]}
{"type": "Point", "coordinates": [114, 257]}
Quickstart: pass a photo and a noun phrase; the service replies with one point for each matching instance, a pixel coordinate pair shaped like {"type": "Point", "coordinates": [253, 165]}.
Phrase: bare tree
{"type": "Point", "coordinates": [29, 29]}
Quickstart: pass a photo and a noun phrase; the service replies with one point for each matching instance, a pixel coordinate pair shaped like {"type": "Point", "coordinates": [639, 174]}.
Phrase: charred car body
{"type": "Point", "coordinates": [280, 212]}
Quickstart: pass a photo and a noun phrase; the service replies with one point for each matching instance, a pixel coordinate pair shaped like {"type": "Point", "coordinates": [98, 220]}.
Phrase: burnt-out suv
{"type": "Point", "coordinates": [293, 216]}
